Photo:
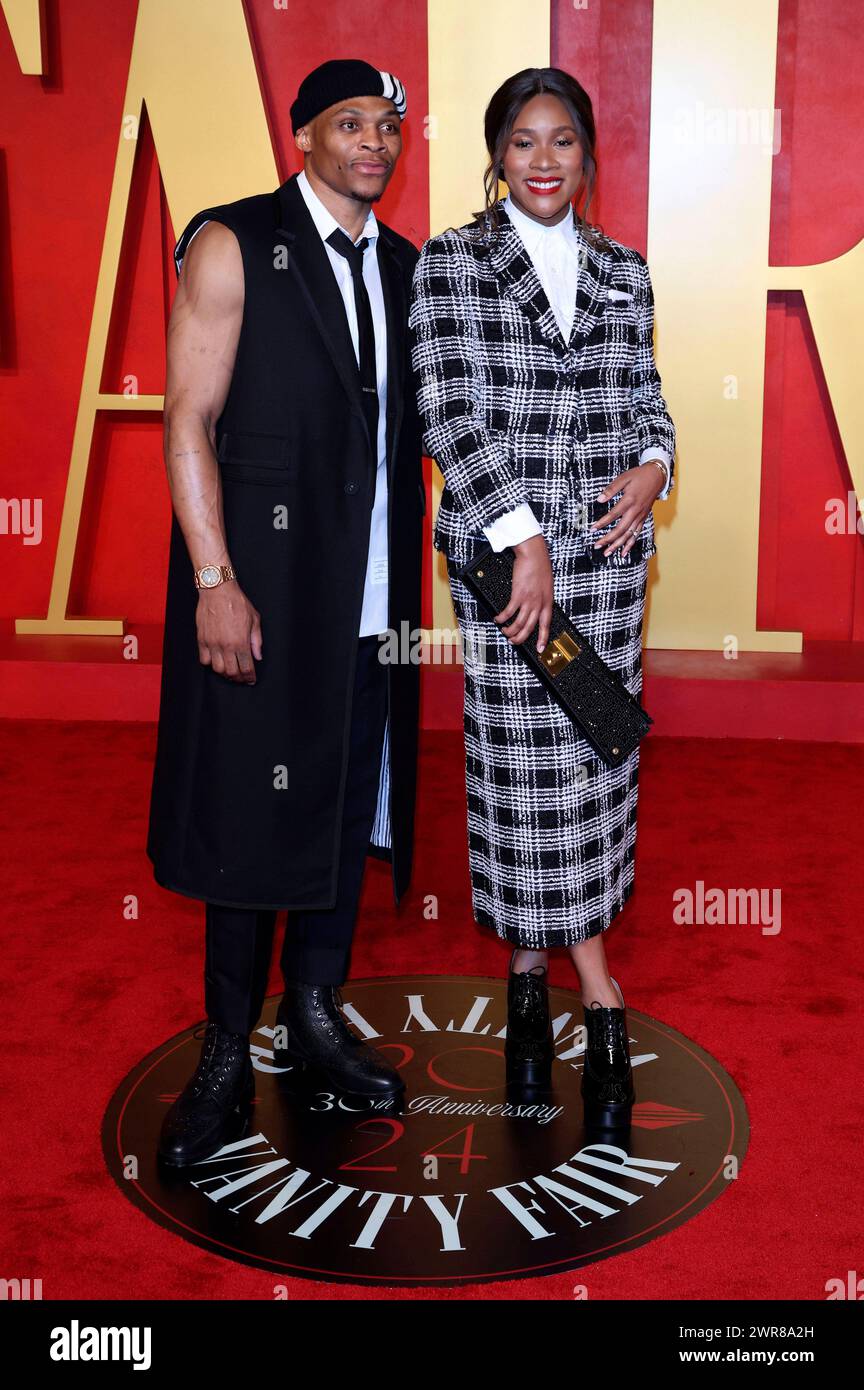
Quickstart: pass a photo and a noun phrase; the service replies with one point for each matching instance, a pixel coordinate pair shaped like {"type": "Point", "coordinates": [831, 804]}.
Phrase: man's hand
{"type": "Point", "coordinates": [531, 595]}
{"type": "Point", "coordinates": [639, 487]}
{"type": "Point", "coordinates": [229, 632]}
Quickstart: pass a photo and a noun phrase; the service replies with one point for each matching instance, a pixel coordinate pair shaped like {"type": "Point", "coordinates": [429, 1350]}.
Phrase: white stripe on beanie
{"type": "Point", "coordinates": [393, 89]}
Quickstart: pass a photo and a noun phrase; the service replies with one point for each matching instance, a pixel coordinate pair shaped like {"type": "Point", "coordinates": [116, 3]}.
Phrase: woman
{"type": "Point", "coordinates": [531, 341]}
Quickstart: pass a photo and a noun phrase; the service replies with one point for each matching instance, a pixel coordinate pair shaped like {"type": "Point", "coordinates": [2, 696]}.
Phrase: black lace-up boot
{"type": "Point", "coordinates": [607, 1076]}
{"type": "Point", "coordinates": [318, 1039]}
{"type": "Point", "coordinates": [214, 1106]}
{"type": "Point", "coordinates": [529, 1047]}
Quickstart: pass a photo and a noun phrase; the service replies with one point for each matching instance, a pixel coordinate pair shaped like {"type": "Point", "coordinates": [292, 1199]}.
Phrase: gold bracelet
{"type": "Point", "coordinates": [661, 464]}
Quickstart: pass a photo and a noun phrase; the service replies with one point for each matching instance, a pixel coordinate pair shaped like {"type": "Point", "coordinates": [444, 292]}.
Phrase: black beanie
{"type": "Point", "coordinates": [338, 80]}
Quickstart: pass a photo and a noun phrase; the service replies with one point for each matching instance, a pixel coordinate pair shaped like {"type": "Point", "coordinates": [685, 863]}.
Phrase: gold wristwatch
{"type": "Point", "coordinates": [209, 576]}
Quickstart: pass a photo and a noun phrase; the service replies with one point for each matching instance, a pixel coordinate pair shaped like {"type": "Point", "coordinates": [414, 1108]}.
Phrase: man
{"type": "Point", "coordinates": [287, 749]}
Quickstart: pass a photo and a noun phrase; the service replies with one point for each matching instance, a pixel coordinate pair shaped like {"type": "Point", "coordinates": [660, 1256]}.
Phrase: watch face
{"type": "Point", "coordinates": [210, 576]}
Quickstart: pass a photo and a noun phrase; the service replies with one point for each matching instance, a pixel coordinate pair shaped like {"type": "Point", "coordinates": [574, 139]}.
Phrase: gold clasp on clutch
{"type": "Point", "coordinates": [559, 653]}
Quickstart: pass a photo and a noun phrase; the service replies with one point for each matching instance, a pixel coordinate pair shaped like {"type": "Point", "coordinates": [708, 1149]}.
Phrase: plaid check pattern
{"type": "Point", "coordinates": [512, 413]}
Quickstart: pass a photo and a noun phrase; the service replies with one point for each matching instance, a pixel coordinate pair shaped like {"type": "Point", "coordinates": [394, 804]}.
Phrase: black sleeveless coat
{"type": "Point", "coordinates": [248, 782]}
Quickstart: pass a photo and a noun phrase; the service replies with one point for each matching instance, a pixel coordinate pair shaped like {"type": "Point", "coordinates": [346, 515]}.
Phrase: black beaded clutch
{"type": "Point", "coordinates": [610, 719]}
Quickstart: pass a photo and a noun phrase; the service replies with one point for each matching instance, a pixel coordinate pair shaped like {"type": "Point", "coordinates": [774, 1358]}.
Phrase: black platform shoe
{"type": "Point", "coordinates": [529, 1047]}
{"type": "Point", "coordinates": [318, 1040]}
{"type": "Point", "coordinates": [214, 1106]}
{"type": "Point", "coordinates": [607, 1076]}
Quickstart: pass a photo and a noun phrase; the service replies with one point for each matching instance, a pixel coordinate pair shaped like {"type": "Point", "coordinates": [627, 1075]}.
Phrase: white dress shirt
{"type": "Point", "coordinates": [554, 253]}
{"type": "Point", "coordinates": [374, 614]}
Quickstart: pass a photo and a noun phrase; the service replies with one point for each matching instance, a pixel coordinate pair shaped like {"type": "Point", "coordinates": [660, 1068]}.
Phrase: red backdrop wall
{"type": "Point", "coordinates": [59, 135]}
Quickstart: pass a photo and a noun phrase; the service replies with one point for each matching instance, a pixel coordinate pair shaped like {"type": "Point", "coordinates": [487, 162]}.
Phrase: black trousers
{"type": "Point", "coordinates": [317, 946]}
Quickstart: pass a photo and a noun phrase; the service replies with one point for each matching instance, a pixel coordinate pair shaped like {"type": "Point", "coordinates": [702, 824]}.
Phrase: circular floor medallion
{"type": "Point", "coordinates": [461, 1182]}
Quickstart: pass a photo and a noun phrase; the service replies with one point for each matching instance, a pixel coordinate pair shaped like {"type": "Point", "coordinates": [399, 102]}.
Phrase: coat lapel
{"type": "Point", "coordinates": [310, 263]}
{"type": "Point", "coordinates": [520, 282]}
{"type": "Point", "coordinates": [396, 312]}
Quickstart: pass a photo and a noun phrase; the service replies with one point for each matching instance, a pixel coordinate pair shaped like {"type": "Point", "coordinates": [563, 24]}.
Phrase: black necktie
{"type": "Point", "coordinates": [365, 328]}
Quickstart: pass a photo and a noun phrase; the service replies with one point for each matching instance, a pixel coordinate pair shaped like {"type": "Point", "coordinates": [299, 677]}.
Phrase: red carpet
{"type": "Point", "coordinates": [90, 991]}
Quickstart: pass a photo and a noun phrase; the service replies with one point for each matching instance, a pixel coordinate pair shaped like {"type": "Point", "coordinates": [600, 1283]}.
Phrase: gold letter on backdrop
{"type": "Point", "coordinates": [24, 20]}
{"type": "Point", "coordinates": [712, 136]}
{"type": "Point", "coordinates": [193, 67]}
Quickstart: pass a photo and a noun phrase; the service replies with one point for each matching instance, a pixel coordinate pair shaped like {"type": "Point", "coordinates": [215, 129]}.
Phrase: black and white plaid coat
{"type": "Point", "coordinates": [512, 413]}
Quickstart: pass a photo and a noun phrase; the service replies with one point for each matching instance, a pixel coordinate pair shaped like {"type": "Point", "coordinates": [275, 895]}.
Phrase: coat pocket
{"type": "Point", "coordinates": [253, 457]}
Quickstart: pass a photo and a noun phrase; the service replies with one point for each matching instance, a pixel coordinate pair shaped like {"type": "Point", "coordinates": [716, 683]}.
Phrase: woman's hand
{"type": "Point", "coordinates": [531, 595]}
{"type": "Point", "coordinates": [639, 486]}
{"type": "Point", "coordinates": [229, 632]}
